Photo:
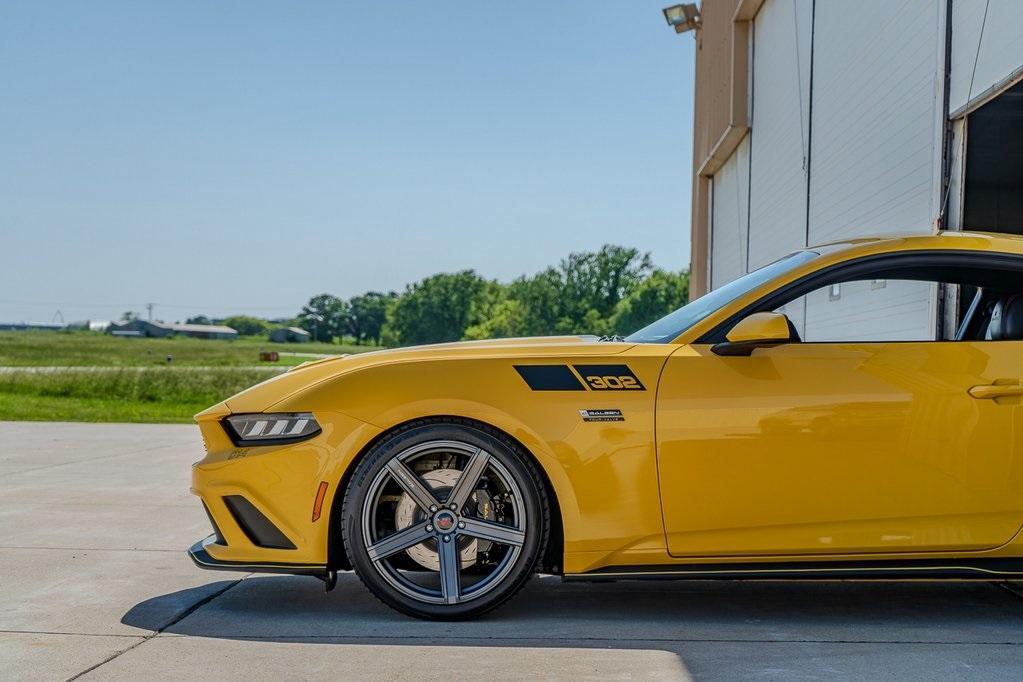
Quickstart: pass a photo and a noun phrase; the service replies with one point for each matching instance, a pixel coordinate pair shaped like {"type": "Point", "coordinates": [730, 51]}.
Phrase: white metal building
{"type": "Point", "coordinates": [819, 120]}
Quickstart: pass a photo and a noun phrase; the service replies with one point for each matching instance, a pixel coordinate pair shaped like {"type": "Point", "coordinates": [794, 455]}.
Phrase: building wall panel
{"type": "Point", "coordinates": [729, 217]}
{"type": "Point", "coordinates": [780, 135]}
{"type": "Point", "coordinates": [1000, 58]}
{"type": "Point", "coordinates": [877, 108]}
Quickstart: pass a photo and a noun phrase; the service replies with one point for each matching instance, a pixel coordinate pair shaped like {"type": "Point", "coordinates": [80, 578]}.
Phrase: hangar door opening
{"type": "Point", "coordinates": [993, 192]}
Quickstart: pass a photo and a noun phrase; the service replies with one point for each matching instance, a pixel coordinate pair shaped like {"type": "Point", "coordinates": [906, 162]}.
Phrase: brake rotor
{"type": "Point", "coordinates": [407, 513]}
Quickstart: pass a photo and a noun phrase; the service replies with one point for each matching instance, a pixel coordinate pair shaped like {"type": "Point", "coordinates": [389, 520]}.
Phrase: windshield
{"type": "Point", "coordinates": [670, 326]}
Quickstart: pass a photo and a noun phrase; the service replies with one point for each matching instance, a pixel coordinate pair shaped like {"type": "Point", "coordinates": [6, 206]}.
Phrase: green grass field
{"type": "Point", "coordinates": [83, 376]}
{"type": "Point", "coordinates": [91, 349]}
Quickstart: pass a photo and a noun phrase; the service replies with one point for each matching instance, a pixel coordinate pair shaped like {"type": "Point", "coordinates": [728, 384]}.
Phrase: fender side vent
{"type": "Point", "coordinates": [257, 528]}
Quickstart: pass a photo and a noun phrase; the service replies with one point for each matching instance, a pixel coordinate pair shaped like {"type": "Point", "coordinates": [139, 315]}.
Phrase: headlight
{"type": "Point", "coordinates": [270, 429]}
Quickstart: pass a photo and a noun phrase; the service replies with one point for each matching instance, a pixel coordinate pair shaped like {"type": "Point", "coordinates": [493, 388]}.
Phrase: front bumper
{"type": "Point", "coordinates": [263, 501]}
{"type": "Point", "coordinates": [202, 559]}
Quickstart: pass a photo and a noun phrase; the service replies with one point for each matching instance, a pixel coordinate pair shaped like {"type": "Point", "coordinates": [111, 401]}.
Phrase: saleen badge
{"type": "Point", "coordinates": [602, 415]}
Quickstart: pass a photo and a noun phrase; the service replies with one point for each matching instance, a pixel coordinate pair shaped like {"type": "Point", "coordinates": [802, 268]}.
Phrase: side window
{"type": "Point", "coordinates": [981, 299]}
{"type": "Point", "coordinates": [917, 297]}
{"type": "Point", "coordinates": [866, 310]}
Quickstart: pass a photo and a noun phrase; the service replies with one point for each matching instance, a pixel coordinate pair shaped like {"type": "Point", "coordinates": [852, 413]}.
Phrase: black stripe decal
{"type": "Point", "coordinates": [549, 377]}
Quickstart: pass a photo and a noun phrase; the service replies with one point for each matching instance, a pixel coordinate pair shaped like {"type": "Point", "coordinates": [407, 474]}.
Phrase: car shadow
{"type": "Point", "coordinates": [549, 612]}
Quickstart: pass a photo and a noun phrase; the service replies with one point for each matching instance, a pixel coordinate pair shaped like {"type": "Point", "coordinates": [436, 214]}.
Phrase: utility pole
{"type": "Point", "coordinates": [149, 309]}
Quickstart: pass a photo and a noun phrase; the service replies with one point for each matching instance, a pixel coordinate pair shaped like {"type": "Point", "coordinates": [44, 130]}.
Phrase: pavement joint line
{"type": "Point", "coordinates": [99, 505]}
{"type": "Point", "coordinates": [75, 634]}
{"type": "Point", "coordinates": [90, 549]}
{"type": "Point", "coordinates": [155, 633]}
{"type": "Point", "coordinates": [641, 640]}
{"type": "Point", "coordinates": [92, 459]}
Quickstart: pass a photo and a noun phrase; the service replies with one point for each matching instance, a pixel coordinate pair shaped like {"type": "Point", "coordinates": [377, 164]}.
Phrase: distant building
{"type": "Point", "coordinates": [89, 325]}
{"type": "Point", "coordinates": [30, 327]}
{"type": "Point", "coordinates": [289, 335]}
{"type": "Point", "coordinates": [162, 329]}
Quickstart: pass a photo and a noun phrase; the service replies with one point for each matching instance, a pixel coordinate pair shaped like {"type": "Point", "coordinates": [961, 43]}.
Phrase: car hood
{"type": "Point", "coordinates": [261, 396]}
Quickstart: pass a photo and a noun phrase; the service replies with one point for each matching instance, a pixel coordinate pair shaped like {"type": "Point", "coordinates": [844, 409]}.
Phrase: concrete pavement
{"type": "Point", "coordinates": [94, 582]}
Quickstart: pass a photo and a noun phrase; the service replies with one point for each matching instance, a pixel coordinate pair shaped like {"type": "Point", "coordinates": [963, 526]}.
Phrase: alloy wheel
{"type": "Point", "coordinates": [443, 522]}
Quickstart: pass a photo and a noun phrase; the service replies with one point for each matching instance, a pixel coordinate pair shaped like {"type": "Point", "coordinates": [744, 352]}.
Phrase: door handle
{"type": "Point", "coordinates": [995, 391]}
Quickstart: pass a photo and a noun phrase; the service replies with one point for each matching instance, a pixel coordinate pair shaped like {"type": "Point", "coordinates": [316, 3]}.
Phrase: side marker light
{"type": "Point", "coordinates": [318, 504]}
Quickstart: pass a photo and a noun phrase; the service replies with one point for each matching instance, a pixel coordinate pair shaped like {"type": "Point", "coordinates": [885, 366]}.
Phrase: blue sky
{"type": "Point", "coordinates": [240, 157]}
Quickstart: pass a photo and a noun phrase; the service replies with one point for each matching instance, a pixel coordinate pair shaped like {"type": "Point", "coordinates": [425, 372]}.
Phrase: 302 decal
{"type": "Point", "coordinates": [613, 383]}
{"type": "Point", "coordinates": [609, 378]}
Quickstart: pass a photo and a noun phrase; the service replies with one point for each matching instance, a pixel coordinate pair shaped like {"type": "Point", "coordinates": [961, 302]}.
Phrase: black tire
{"type": "Point", "coordinates": [514, 461]}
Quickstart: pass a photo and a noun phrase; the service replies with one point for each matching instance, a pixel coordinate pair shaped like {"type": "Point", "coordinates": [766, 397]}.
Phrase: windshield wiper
{"type": "Point", "coordinates": [613, 338]}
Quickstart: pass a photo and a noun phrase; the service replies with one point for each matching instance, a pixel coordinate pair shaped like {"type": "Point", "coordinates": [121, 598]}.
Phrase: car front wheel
{"type": "Point", "coordinates": [445, 520]}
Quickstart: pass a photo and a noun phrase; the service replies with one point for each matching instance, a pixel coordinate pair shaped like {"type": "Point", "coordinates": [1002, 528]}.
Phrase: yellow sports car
{"type": "Point", "coordinates": [798, 422]}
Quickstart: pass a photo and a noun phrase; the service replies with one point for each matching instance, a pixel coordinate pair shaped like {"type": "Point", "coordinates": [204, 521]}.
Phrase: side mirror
{"type": "Point", "coordinates": [759, 330]}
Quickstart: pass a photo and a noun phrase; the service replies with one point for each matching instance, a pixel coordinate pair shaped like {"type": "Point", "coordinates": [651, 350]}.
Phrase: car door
{"type": "Point", "coordinates": [841, 447]}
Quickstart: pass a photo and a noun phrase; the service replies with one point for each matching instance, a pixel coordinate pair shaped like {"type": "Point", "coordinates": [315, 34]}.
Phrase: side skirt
{"type": "Point", "coordinates": [921, 569]}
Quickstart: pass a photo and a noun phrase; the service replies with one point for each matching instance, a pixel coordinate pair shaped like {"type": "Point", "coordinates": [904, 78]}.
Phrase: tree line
{"type": "Point", "coordinates": [612, 291]}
